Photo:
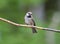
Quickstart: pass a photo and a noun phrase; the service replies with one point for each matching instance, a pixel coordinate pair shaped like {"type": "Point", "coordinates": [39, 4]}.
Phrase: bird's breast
{"type": "Point", "coordinates": [27, 20]}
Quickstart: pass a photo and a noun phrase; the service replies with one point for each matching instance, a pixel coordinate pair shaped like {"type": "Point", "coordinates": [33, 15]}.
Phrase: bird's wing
{"type": "Point", "coordinates": [32, 22]}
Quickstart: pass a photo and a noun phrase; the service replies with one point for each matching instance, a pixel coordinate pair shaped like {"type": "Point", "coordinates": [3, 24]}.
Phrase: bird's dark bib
{"type": "Point", "coordinates": [29, 16]}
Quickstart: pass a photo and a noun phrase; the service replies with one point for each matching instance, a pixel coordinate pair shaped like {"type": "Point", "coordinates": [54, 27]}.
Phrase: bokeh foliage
{"type": "Point", "coordinates": [15, 10]}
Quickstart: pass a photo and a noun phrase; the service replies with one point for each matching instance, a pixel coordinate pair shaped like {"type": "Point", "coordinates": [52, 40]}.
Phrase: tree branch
{"type": "Point", "coordinates": [29, 26]}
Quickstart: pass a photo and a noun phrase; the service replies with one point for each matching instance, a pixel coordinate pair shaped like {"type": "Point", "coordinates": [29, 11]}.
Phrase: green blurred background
{"type": "Point", "coordinates": [46, 13]}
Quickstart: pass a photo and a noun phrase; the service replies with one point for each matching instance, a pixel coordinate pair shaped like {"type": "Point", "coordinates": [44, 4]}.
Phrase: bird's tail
{"type": "Point", "coordinates": [34, 30]}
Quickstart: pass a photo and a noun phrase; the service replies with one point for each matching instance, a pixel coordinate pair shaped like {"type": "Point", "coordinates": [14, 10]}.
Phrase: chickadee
{"type": "Point", "coordinates": [29, 21]}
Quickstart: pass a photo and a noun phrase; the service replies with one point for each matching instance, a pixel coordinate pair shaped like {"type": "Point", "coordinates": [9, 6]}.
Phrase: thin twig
{"type": "Point", "coordinates": [16, 24]}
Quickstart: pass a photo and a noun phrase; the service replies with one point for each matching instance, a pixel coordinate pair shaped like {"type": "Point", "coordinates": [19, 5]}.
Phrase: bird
{"type": "Point", "coordinates": [30, 21]}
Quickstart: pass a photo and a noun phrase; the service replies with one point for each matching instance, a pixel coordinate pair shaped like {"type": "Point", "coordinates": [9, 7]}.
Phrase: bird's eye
{"type": "Point", "coordinates": [29, 13]}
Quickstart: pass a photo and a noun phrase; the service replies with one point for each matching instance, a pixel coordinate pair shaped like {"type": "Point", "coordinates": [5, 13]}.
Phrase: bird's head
{"type": "Point", "coordinates": [28, 14]}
